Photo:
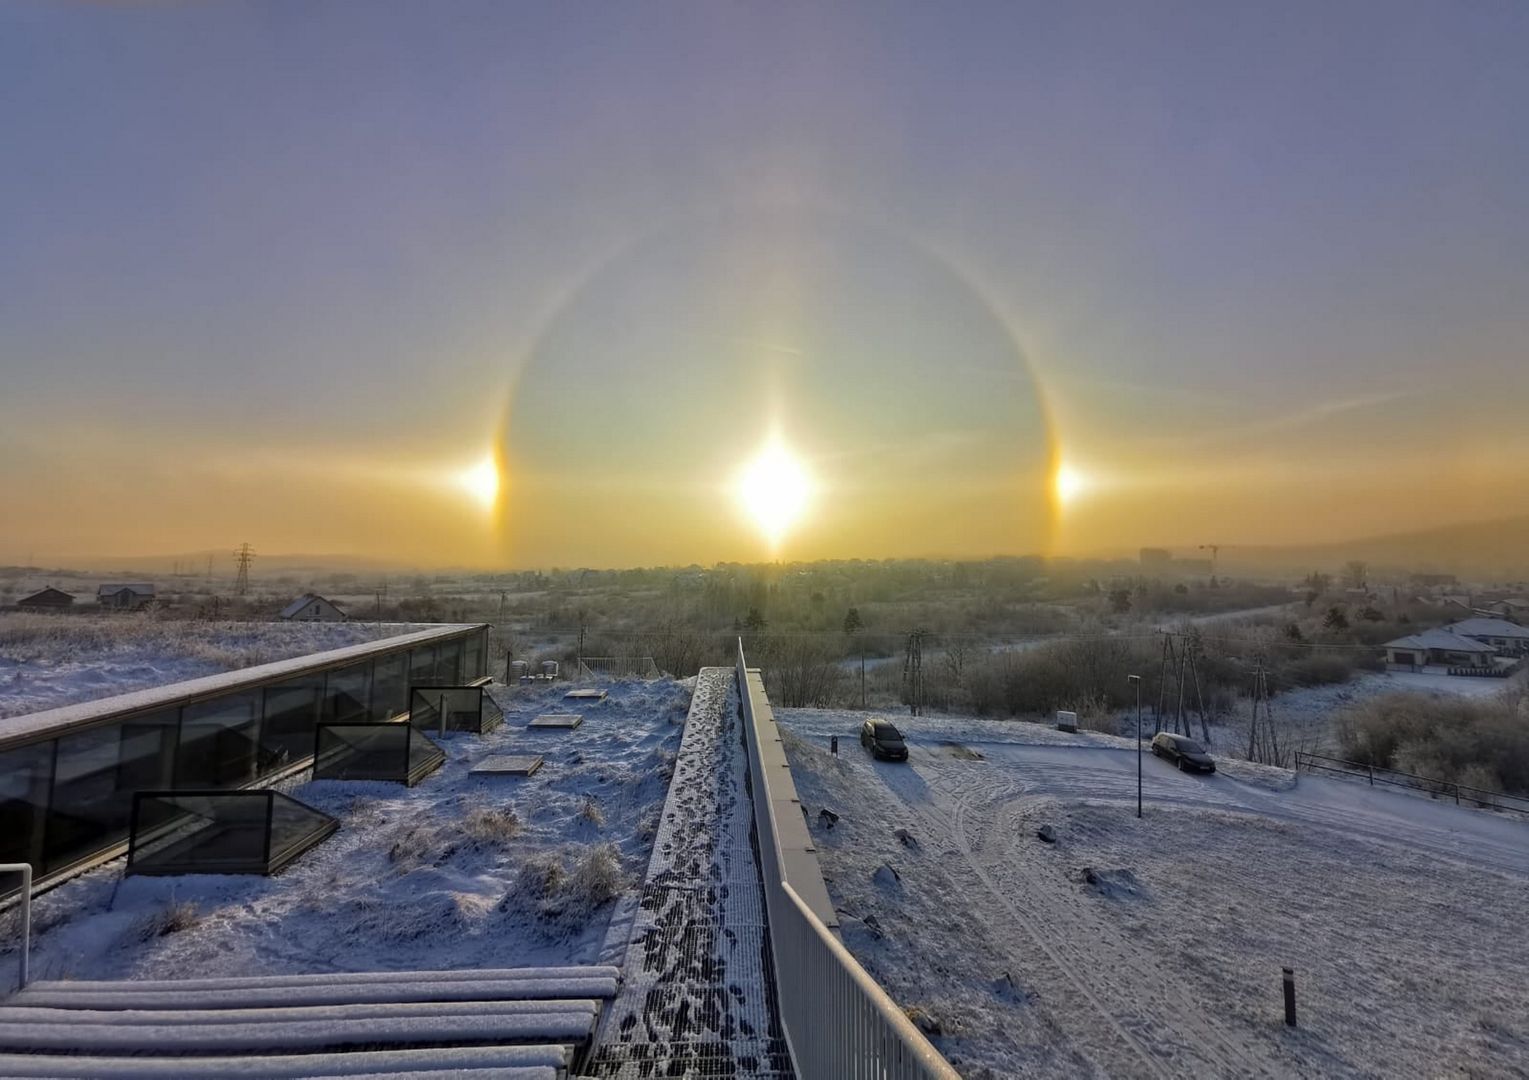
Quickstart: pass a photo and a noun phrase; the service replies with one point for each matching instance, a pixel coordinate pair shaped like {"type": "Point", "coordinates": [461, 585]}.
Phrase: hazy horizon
{"type": "Point", "coordinates": [489, 286]}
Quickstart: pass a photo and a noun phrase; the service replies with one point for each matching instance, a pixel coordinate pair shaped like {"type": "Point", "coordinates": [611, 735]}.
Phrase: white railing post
{"type": "Point", "coordinates": [25, 870]}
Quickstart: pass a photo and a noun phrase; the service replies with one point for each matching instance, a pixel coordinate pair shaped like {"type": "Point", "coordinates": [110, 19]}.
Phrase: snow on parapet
{"type": "Point", "coordinates": [15, 729]}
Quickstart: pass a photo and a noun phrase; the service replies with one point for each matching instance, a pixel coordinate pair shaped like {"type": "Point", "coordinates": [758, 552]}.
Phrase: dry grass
{"type": "Point", "coordinates": [596, 879]}
{"type": "Point", "coordinates": [566, 888]}
{"type": "Point", "coordinates": [590, 811]}
{"type": "Point", "coordinates": [491, 826]}
{"type": "Point", "coordinates": [419, 845]}
{"type": "Point", "coordinates": [174, 917]}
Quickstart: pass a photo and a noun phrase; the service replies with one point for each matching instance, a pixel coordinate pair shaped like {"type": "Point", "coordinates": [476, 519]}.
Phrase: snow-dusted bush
{"type": "Point", "coordinates": [418, 845]}
{"type": "Point", "coordinates": [174, 917]}
{"type": "Point", "coordinates": [1477, 742]}
{"type": "Point", "coordinates": [590, 811]}
{"type": "Point", "coordinates": [491, 826]}
{"type": "Point", "coordinates": [597, 879]}
{"type": "Point", "coordinates": [566, 888]}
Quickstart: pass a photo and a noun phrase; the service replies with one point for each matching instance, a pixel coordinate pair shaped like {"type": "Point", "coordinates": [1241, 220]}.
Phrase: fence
{"type": "Point", "coordinates": [618, 667]}
{"type": "Point", "coordinates": [838, 1021]}
{"type": "Point", "coordinates": [1495, 800]}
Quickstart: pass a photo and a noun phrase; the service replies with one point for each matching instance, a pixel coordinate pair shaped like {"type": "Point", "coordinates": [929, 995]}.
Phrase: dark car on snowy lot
{"type": "Point", "coordinates": [883, 740]}
{"type": "Point", "coordinates": [1183, 751]}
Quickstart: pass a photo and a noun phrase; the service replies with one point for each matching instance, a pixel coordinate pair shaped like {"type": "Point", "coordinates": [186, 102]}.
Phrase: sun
{"type": "Point", "coordinates": [481, 482]}
{"type": "Point", "coordinates": [775, 490]}
{"type": "Point", "coordinates": [1069, 484]}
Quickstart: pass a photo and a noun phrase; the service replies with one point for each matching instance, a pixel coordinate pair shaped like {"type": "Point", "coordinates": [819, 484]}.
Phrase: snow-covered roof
{"type": "Point", "coordinates": [15, 729]}
{"type": "Point", "coordinates": [1488, 628]}
{"type": "Point", "coordinates": [303, 601]}
{"type": "Point", "coordinates": [141, 588]}
{"type": "Point", "coordinates": [1439, 639]}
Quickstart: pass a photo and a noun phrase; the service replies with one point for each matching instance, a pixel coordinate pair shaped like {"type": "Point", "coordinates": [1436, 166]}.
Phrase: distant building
{"type": "Point", "coordinates": [1435, 580]}
{"type": "Point", "coordinates": [50, 599]}
{"type": "Point", "coordinates": [1156, 559]}
{"type": "Point", "coordinates": [311, 607]}
{"type": "Point", "coordinates": [129, 597]}
{"type": "Point", "coordinates": [1502, 635]}
{"type": "Point", "coordinates": [1195, 567]}
{"type": "Point", "coordinates": [1513, 608]}
{"type": "Point", "coordinates": [1437, 647]}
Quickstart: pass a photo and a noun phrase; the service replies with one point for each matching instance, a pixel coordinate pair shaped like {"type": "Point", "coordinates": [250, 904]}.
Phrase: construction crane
{"type": "Point", "coordinates": [1214, 549]}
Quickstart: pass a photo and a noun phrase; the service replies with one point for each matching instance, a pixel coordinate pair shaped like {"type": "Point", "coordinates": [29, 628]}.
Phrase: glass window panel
{"type": "Point", "coordinates": [447, 668]}
{"type": "Point", "coordinates": [346, 691]}
{"type": "Point", "coordinates": [25, 776]}
{"type": "Point", "coordinates": [286, 729]}
{"type": "Point", "coordinates": [217, 742]}
{"type": "Point", "coordinates": [186, 834]}
{"type": "Point", "coordinates": [390, 686]}
{"type": "Point", "coordinates": [95, 775]}
{"type": "Point", "coordinates": [422, 666]}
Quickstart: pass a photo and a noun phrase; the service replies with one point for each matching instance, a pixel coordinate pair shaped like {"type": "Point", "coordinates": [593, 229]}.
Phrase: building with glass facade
{"type": "Point", "coordinates": [68, 776]}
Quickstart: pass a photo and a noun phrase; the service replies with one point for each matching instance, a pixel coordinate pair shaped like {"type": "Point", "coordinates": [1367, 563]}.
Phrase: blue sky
{"type": "Point", "coordinates": [293, 256]}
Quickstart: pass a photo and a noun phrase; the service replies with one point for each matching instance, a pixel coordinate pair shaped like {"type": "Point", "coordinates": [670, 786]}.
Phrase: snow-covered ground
{"type": "Point", "coordinates": [459, 871]}
{"type": "Point", "coordinates": [1153, 947]}
{"type": "Point", "coordinates": [51, 660]}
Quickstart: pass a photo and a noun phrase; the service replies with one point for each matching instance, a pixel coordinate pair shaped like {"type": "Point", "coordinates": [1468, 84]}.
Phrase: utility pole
{"type": "Point", "coordinates": [913, 670]}
{"type": "Point", "coordinates": [1137, 680]}
{"type": "Point", "coordinates": [242, 558]}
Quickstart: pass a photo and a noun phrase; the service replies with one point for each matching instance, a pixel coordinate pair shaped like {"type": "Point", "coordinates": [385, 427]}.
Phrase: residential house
{"type": "Point", "coordinates": [50, 599]}
{"type": "Point", "coordinates": [1502, 635]}
{"type": "Point", "coordinates": [1437, 647]}
{"type": "Point", "coordinates": [125, 597]}
{"type": "Point", "coordinates": [311, 607]}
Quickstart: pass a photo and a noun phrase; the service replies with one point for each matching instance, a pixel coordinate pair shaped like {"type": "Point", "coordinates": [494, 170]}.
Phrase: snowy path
{"type": "Point", "coordinates": [698, 997]}
{"type": "Point", "coordinates": [1163, 959]}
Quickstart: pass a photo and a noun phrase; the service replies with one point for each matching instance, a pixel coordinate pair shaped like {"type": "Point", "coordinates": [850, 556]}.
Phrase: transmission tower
{"type": "Point", "coordinates": [1180, 668]}
{"type": "Point", "coordinates": [242, 558]}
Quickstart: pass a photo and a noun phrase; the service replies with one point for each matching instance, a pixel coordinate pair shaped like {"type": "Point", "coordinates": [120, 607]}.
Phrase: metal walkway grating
{"type": "Point", "coordinates": [698, 989]}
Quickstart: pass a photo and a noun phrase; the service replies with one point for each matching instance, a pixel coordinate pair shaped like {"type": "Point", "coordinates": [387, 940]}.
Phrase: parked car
{"type": "Point", "coordinates": [1183, 751]}
{"type": "Point", "coordinates": [883, 740]}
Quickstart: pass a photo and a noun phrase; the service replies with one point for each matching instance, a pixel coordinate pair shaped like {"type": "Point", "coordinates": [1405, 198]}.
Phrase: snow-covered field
{"type": "Point", "coordinates": [1153, 947]}
{"type": "Point", "coordinates": [52, 660]}
{"type": "Point", "coordinates": [459, 871]}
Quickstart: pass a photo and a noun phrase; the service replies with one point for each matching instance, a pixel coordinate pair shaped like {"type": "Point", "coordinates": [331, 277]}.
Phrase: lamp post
{"type": "Point", "coordinates": [1137, 680]}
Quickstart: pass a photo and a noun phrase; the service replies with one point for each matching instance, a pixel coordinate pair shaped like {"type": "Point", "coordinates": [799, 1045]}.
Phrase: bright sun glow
{"type": "Point", "coordinates": [1070, 483]}
{"type": "Point", "coordinates": [774, 489]}
{"type": "Point", "coordinates": [481, 481]}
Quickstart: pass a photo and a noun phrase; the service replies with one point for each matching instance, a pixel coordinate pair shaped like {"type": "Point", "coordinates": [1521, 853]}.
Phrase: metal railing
{"type": "Point", "coordinates": [1427, 785]}
{"type": "Point", "coordinates": [838, 1021]}
{"type": "Point", "coordinates": [25, 900]}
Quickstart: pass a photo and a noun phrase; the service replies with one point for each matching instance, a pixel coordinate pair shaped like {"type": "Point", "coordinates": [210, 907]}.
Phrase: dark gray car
{"type": "Point", "coordinates": [883, 740]}
{"type": "Point", "coordinates": [1183, 751]}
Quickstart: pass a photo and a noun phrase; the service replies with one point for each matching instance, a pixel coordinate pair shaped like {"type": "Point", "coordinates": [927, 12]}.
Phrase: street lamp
{"type": "Point", "coordinates": [1137, 680]}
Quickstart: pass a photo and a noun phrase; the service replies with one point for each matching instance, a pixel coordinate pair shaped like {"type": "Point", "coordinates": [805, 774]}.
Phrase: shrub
{"type": "Point", "coordinates": [1479, 743]}
{"type": "Point", "coordinates": [596, 880]}
{"type": "Point", "coordinates": [1317, 669]}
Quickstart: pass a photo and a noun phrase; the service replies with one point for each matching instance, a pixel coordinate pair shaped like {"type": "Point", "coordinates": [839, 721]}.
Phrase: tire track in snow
{"type": "Point", "coordinates": [921, 808]}
{"type": "Point", "coordinates": [1156, 1000]}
